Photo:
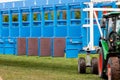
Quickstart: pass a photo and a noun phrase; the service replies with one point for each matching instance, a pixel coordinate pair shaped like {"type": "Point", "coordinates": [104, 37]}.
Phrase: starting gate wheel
{"type": "Point", "coordinates": [94, 65]}
{"type": "Point", "coordinates": [81, 65]}
{"type": "Point", "coordinates": [113, 68]}
{"type": "Point", "coordinates": [101, 64]}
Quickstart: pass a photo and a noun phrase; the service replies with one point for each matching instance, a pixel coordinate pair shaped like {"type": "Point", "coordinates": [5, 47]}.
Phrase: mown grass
{"type": "Point", "coordinates": [41, 68]}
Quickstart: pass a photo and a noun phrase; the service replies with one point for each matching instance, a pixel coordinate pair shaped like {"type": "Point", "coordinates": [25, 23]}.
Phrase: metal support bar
{"type": "Point", "coordinates": [101, 9]}
{"type": "Point", "coordinates": [91, 27]}
{"type": "Point", "coordinates": [88, 59]}
{"type": "Point", "coordinates": [98, 24]}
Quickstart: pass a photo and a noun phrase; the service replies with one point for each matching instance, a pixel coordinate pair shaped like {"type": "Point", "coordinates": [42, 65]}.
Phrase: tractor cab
{"type": "Point", "coordinates": [111, 21]}
{"type": "Point", "coordinates": [111, 25]}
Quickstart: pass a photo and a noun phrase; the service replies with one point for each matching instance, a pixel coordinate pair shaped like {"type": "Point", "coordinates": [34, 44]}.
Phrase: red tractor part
{"type": "Point", "coordinates": [101, 64]}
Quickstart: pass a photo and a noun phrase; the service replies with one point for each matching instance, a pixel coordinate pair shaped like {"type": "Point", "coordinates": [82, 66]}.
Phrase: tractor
{"type": "Point", "coordinates": [109, 51]}
{"type": "Point", "coordinates": [108, 63]}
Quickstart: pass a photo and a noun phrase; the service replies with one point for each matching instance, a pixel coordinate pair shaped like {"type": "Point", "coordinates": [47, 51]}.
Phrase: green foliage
{"type": "Point", "coordinates": [77, 14]}
{"type": "Point", "coordinates": [46, 16]}
{"type": "Point", "coordinates": [35, 16]}
{"type": "Point", "coordinates": [24, 17]}
{"type": "Point", "coordinates": [51, 14]}
{"type": "Point", "coordinates": [15, 18]}
{"type": "Point", "coordinates": [5, 18]}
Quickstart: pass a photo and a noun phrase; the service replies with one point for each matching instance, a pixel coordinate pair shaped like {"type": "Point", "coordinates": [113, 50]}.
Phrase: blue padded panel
{"type": "Point", "coordinates": [9, 46]}
{"type": "Point", "coordinates": [74, 31]}
{"type": "Point", "coordinates": [25, 31]}
{"type": "Point", "coordinates": [48, 31]}
{"type": "Point", "coordinates": [36, 31]}
{"type": "Point", "coordinates": [97, 35]}
{"type": "Point", "coordinates": [14, 32]}
{"type": "Point", "coordinates": [72, 53]}
{"type": "Point", "coordinates": [5, 32]}
{"type": "Point", "coordinates": [61, 31]}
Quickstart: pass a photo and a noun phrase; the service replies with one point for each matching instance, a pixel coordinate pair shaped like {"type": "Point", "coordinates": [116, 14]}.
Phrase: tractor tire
{"type": "Point", "coordinates": [113, 68]}
{"type": "Point", "coordinates": [94, 65]}
{"type": "Point", "coordinates": [81, 65]}
{"type": "Point", "coordinates": [101, 64]}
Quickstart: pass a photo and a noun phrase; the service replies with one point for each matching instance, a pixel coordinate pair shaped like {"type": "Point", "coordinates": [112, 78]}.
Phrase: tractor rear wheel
{"type": "Point", "coordinates": [81, 65]}
{"type": "Point", "coordinates": [94, 65]}
{"type": "Point", "coordinates": [101, 64]}
{"type": "Point", "coordinates": [113, 68]}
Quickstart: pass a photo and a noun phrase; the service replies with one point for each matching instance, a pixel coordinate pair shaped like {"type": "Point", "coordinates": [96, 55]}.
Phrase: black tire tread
{"type": "Point", "coordinates": [81, 65]}
{"type": "Point", "coordinates": [94, 65]}
{"type": "Point", "coordinates": [115, 67]}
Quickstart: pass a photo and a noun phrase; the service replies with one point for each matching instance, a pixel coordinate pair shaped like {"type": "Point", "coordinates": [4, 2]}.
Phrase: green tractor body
{"type": "Point", "coordinates": [105, 48]}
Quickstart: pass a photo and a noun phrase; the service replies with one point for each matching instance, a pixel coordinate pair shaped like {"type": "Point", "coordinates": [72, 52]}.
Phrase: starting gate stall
{"type": "Point", "coordinates": [74, 36]}
{"type": "Point", "coordinates": [47, 31]}
{"type": "Point", "coordinates": [36, 28]}
{"type": "Point", "coordinates": [24, 31]}
{"type": "Point", "coordinates": [7, 43]}
{"type": "Point", "coordinates": [60, 30]}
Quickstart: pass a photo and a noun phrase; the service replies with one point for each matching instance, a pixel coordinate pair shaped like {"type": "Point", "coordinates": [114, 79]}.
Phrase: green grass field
{"type": "Point", "coordinates": [41, 68]}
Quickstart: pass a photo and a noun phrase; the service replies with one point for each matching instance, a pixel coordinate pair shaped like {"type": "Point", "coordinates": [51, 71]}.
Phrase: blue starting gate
{"type": "Point", "coordinates": [57, 31]}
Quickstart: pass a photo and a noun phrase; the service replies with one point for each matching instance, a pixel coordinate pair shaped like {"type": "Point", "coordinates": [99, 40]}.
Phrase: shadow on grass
{"type": "Point", "coordinates": [49, 66]}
